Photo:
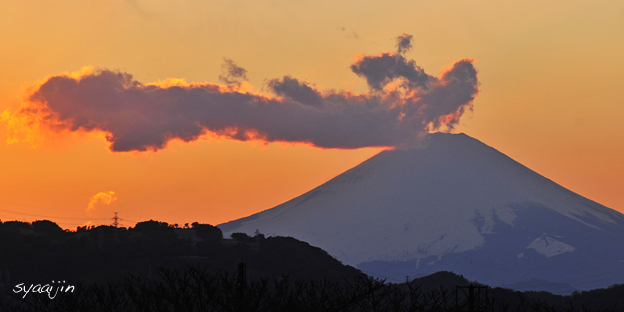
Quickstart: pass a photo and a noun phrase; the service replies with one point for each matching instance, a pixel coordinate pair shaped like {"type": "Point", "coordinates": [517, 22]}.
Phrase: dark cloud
{"type": "Point", "coordinates": [352, 35]}
{"type": "Point", "coordinates": [298, 91]}
{"type": "Point", "coordinates": [232, 72]}
{"type": "Point", "coordinates": [448, 98]}
{"type": "Point", "coordinates": [382, 69]}
{"type": "Point", "coordinates": [404, 43]}
{"type": "Point", "coordinates": [140, 117]}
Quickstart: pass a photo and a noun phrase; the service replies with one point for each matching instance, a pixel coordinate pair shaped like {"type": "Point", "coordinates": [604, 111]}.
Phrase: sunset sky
{"type": "Point", "coordinates": [550, 95]}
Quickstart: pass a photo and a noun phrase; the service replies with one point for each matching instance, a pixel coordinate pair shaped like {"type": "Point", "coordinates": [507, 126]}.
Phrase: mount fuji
{"type": "Point", "coordinates": [454, 204]}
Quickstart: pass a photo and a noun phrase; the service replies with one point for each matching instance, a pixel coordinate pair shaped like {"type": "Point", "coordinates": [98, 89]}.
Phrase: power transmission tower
{"type": "Point", "coordinates": [116, 225]}
{"type": "Point", "coordinates": [116, 220]}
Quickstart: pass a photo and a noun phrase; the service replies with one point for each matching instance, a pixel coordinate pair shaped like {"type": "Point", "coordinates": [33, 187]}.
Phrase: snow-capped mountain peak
{"type": "Point", "coordinates": [410, 212]}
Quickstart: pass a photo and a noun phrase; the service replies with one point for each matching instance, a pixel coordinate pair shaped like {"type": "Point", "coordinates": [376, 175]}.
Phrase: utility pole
{"type": "Point", "coordinates": [477, 298]}
{"type": "Point", "coordinates": [241, 284]}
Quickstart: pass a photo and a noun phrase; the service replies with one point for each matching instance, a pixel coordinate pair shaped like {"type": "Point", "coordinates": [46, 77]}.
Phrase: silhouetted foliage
{"type": "Point", "coordinates": [83, 228]}
{"type": "Point", "coordinates": [258, 235]}
{"type": "Point", "coordinates": [240, 236]}
{"type": "Point", "coordinates": [153, 267]}
{"type": "Point", "coordinates": [16, 224]}
{"type": "Point", "coordinates": [106, 253]}
{"type": "Point", "coordinates": [156, 230]}
{"type": "Point", "coordinates": [207, 232]}
{"type": "Point", "coordinates": [151, 225]}
{"type": "Point", "coordinates": [47, 227]}
{"type": "Point", "coordinates": [196, 289]}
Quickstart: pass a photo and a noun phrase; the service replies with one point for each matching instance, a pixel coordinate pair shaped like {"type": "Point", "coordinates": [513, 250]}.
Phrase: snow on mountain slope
{"type": "Point", "coordinates": [420, 207]}
{"type": "Point", "coordinates": [549, 246]}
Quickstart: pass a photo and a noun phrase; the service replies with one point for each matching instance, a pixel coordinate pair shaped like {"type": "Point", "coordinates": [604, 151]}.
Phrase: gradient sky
{"type": "Point", "coordinates": [551, 95]}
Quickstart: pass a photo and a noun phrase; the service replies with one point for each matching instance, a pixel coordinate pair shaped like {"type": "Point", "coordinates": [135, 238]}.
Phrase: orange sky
{"type": "Point", "coordinates": [550, 96]}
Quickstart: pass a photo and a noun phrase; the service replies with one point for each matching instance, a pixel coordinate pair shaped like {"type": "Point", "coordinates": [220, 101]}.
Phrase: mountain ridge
{"type": "Point", "coordinates": [452, 196]}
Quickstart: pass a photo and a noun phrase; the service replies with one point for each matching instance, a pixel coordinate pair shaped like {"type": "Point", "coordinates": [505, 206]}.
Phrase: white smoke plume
{"type": "Point", "coordinates": [103, 197]}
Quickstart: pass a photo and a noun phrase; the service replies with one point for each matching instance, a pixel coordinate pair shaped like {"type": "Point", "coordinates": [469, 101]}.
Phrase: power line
{"type": "Point", "coordinates": [67, 224]}
{"type": "Point", "coordinates": [22, 214]}
{"type": "Point", "coordinates": [42, 216]}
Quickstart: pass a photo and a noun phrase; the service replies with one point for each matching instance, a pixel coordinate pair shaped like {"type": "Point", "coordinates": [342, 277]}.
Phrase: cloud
{"type": "Point", "coordinates": [404, 43]}
{"type": "Point", "coordinates": [442, 105]}
{"type": "Point", "coordinates": [232, 72]}
{"type": "Point", "coordinates": [382, 69]}
{"type": "Point", "coordinates": [298, 91]}
{"type": "Point", "coordinates": [103, 197]}
{"type": "Point", "coordinates": [403, 105]}
{"type": "Point", "coordinates": [351, 35]}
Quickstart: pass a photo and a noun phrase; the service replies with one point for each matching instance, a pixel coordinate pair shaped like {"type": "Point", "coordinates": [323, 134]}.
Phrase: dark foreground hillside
{"type": "Point", "coordinates": [42, 252]}
{"type": "Point", "coordinates": [196, 290]}
{"type": "Point", "coordinates": [156, 267]}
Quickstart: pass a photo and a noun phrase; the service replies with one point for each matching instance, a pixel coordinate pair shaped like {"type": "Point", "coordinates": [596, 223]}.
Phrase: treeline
{"type": "Point", "coordinates": [194, 289]}
{"type": "Point", "coordinates": [41, 252]}
{"type": "Point", "coordinates": [159, 267]}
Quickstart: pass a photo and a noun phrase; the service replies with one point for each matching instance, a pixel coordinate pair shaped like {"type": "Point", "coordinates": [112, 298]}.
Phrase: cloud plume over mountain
{"type": "Point", "coordinates": [232, 72]}
{"type": "Point", "coordinates": [404, 43]}
{"type": "Point", "coordinates": [403, 104]}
